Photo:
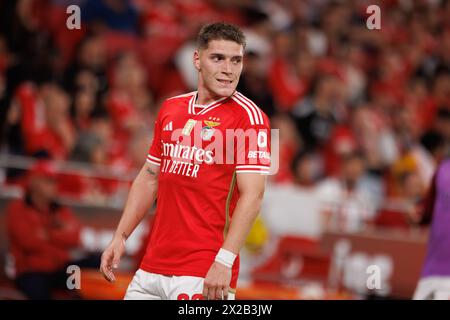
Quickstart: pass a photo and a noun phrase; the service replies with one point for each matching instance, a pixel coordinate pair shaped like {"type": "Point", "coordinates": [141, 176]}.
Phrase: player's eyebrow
{"type": "Point", "coordinates": [223, 56]}
{"type": "Point", "coordinates": [217, 55]}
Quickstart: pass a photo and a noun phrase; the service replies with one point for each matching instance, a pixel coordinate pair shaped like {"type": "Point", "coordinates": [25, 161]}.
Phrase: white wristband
{"type": "Point", "coordinates": [225, 257]}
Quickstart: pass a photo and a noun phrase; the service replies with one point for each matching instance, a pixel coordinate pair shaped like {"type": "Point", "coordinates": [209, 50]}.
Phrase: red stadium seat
{"type": "Point", "coordinates": [296, 258]}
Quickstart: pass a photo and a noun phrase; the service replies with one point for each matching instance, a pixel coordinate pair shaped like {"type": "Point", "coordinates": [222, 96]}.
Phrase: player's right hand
{"type": "Point", "coordinates": [111, 258]}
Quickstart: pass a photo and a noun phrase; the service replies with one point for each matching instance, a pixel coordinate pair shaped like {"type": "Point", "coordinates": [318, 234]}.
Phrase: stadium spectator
{"type": "Point", "coordinates": [41, 235]}
{"type": "Point", "coordinates": [45, 122]}
{"type": "Point", "coordinates": [351, 198]}
{"type": "Point", "coordinates": [315, 115]}
{"type": "Point", "coordinates": [118, 15]}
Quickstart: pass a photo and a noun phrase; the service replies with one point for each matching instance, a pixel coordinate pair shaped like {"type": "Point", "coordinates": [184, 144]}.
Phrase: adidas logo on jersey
{"type": "Point", "coordinates": [168, 127]}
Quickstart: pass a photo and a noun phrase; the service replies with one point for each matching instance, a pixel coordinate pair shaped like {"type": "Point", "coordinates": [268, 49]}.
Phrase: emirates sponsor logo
{"type": "Point", "coordinates": [248, 150]}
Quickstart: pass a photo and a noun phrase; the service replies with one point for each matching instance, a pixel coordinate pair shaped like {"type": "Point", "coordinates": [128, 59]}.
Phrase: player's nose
{"type": "Point", "coordinates": [227, 68]}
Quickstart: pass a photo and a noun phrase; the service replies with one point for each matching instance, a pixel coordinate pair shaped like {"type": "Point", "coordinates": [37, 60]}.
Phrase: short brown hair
{"type": "Point", "coordinates": [219, 31]}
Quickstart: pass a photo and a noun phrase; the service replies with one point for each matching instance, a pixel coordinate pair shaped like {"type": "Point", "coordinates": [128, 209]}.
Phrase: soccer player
{"type": "Point", "coordinates": [208, 186]}
{"type": "Point", "coordinates": [434, 283]}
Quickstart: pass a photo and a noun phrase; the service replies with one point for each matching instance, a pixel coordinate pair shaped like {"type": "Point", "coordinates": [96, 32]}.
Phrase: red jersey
{"type": "Point", "coordinates": [200, 149]}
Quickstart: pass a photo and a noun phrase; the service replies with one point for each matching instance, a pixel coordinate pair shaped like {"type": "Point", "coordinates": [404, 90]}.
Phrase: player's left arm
{"type": "Point", "coordinates": [251, 188]}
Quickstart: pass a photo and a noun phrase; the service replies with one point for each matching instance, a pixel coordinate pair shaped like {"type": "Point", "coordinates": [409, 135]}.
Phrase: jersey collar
{"type": "Point", "coordinates": [214, 104]}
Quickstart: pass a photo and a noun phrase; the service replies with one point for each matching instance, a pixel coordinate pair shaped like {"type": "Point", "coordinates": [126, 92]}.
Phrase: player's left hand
{"type": "Point", "coordinates": [217, 282]}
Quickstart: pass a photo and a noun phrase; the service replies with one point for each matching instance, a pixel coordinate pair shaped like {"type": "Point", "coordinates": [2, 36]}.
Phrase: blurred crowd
{"type": "Point", "coordinates": [364, 115]}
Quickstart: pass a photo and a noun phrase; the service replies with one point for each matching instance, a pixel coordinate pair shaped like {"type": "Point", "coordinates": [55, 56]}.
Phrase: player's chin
{"type": "Point", "coordinates": [225, 91]}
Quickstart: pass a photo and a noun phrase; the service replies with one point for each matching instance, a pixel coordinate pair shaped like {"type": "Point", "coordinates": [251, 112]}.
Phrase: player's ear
{"type": "Point", "coordinates": [197, 60]}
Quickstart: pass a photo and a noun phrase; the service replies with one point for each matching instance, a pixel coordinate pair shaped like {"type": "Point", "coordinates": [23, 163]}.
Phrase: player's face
{"type": "Point", "coordinates": [219, 66]}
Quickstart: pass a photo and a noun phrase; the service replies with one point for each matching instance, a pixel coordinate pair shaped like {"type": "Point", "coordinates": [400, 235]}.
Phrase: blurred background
{"type": "Point", "coordinates": [364, 119]}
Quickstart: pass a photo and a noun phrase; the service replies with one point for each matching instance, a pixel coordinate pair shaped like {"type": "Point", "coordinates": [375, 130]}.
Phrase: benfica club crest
{"type": "Point", "coordinates": [207, 133]}
{"type": "Point", "coordinates": [208, 130]}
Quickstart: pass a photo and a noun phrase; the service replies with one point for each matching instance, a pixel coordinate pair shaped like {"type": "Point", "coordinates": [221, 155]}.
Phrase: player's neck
{"type": "Point", "coordinates": [205, 97]}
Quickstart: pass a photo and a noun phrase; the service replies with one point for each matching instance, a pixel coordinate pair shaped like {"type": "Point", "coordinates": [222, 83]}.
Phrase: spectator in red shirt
{"type": "Point", "coordinates": [45, 122]}
{"type": "Point", "coordinates": [41, 235]}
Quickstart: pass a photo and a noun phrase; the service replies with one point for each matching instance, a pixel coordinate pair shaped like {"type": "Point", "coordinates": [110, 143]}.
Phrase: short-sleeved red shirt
{"type": "Point", "coordinates": [200, 149]}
